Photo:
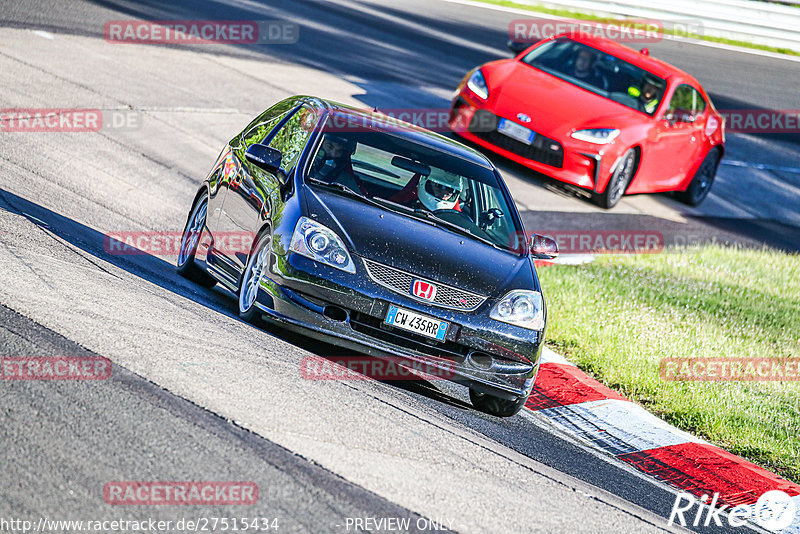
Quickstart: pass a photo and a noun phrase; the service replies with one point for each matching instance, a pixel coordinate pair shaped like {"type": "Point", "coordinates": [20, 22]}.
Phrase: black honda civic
{"type": "Point", "coordinates": [378, 236]}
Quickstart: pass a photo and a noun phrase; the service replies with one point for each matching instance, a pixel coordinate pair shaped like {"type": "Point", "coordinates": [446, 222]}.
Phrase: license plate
{"type": "Point", "coordinates": [515, 131]}
{"type": "Point", "coordinates": [414, 322]}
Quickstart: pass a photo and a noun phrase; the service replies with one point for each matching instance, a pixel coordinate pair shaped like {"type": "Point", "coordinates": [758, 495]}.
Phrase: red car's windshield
{"type": "Point", "coordinates": [600, 73]}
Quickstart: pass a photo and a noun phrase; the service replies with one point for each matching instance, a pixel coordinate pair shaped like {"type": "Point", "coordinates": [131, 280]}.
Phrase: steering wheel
{"type": "Point", "coordinates": [450, 213]}
{"type": "Point", "coordinates": [456, 217]}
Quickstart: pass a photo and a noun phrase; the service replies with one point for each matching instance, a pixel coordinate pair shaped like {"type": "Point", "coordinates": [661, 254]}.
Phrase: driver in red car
{"type": "Point", "coordinates": [584, 69]}
{"type": "Point", "coordinates": [439, 192]}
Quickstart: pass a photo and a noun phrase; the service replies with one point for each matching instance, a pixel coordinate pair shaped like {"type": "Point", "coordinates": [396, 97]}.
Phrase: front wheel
{"type": "Point", "coordinates": [619, 181]}
{"type": "Point", "coordinates": [495, 405]}
{"type": "Point", "coordinates": [191, 237]}
{"type": "Point", "coordinates": [700, 185]}
{"type": "Point", "coordinates": [251, 280]}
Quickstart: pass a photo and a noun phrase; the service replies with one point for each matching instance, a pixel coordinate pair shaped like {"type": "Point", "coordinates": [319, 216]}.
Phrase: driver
{"type": "Point", "coordinates": [333, 163]}
{"type": "Point", "coordinates": [584, 69]}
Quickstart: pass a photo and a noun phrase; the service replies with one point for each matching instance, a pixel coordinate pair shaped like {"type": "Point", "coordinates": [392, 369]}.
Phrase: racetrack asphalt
{"type": "Point", "coordinates": [220, 399]}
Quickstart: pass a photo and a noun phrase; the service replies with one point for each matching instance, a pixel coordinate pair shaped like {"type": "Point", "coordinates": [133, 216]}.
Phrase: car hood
{"type": "Point", "coordinates": [419, 248]}
{"type": "Point", "coordinates": [556, 107]}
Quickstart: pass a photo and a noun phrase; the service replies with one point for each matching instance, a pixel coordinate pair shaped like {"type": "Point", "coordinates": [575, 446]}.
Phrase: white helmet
{"type": "Point", "coordinates": [439, 192]}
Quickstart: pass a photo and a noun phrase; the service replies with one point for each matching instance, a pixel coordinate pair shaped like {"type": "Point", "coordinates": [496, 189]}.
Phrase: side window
{"type": "Point", "coordinates": [497, 226]}
{"type": "Point", "coordinates": [687, 99]}
{"type": "Point", "coordinates": [257, 130]}
{"type": "Point", "coordinates": [292, 137]}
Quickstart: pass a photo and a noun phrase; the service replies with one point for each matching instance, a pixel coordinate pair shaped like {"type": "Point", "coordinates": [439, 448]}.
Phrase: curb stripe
{"type": "Point", "coordinates": [700, 468]}
{"type": "Point", "coordinates": [599, 416]}
{"type": "Point", "coordinates": [616, 426]}
{"type": "Point", "coordinates": [561, 385]}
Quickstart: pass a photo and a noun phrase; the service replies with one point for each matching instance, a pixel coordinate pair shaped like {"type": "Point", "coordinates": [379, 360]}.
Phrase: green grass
{"type": "Point", "coordinates": [618, 317]}
{"type": "Point", "coordinates": [588, 16]}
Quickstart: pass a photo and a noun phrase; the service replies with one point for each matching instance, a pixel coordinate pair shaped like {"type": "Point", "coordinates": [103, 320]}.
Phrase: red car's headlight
{"type": "Point", "coordinates": [598, 136]}
{"type": "Point", "coordinates": [477, 84]}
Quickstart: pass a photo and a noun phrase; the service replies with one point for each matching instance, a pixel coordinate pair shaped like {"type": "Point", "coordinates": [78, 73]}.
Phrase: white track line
{"type": "Point", "coordinates": [709, 44]}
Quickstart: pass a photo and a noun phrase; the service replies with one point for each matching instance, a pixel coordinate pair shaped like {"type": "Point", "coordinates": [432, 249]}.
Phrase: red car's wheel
{"type": "Point", "coordinates": [703, 179]}
{"type": "Point", "coordinates": [619, 181]}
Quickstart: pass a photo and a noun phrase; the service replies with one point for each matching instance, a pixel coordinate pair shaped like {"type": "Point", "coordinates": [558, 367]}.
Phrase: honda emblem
{"type": "Point", "coordinates": [423, 290]}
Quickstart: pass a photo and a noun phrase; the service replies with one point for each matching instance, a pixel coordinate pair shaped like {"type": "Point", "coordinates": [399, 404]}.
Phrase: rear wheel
{"type": "Point", "coordinates": [619, 181]}
{"type": "Point", "coordinates": [251, 280]}
{"type": "Point", "coordinates": [703, 179]}
{"type": "Point", "coordinates": [495, 405]}
{"type": "Point", "coordinates": [191, 238]}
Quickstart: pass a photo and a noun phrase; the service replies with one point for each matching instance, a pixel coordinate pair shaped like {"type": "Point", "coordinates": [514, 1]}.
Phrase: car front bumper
{"type": "Point", "coordinates": [299, 290]}
{"type": "Point", "coordinates": [567, 160]}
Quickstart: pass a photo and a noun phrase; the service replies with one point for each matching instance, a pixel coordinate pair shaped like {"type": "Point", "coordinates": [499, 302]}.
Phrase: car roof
{"type": "Point", "coordinates": [660, 68]}
{"type": "Point", "coordinates": [400, 128]}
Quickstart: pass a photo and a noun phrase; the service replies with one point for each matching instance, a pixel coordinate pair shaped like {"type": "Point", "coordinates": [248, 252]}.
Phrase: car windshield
{"type": "Point", "coordinates": [600, 73]}
{"type": "Point", "coordinates": [417, 181]}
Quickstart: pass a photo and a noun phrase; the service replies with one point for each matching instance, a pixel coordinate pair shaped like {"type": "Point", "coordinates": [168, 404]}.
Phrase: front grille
{"type": "Point", "coordinates": [543, 149]}
{"type": "Point", "coordinates": [375, 328]}
{"type": "Point", "coordinates": [400, 281]}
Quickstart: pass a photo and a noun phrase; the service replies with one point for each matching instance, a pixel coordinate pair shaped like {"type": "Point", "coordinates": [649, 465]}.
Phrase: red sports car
{"type": "Point", "coordinates": [594, 113]}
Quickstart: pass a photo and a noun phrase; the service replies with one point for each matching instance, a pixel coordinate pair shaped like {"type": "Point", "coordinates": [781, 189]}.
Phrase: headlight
{"type": "Point", "coordinates": [521, 308]}
{"type": "Point", "coordinates": [477, 84]}
{"type": "Point", "coordinates": [320, 243]}
{"type": "Point", "coordinates": [598, 136]}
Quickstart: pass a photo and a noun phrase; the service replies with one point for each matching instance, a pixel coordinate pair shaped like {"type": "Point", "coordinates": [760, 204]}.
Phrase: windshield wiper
{"type": "Point", "coordinates": [460, 229]}
{"type": "Point", "coordinates": [431, 218]}
{"type": "Point", "coordinates": [342, 188]}
{"type": "Point", "coordinates": [335, 185]}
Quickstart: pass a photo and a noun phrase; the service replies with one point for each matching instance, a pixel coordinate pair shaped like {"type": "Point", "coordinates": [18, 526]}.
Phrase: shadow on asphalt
{"type": "Point", "coordinates": [536, 441]}
{"type": "Point", "coordinates": [163, 274]}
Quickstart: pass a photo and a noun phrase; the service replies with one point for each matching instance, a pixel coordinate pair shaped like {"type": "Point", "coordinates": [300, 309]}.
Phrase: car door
{"type": "Point", "coordinates": [230, 177]}
{"type": "Point", "coordinates": [255, 192]}
{"type": "Point", "coordinates": [677, 138]}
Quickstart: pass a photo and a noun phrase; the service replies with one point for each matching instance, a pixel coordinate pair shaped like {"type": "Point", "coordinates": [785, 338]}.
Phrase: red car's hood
{"type": "Point", "coordinates": [555, 107]}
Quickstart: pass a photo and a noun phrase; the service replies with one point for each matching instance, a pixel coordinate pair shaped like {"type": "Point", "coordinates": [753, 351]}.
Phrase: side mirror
{"type": "Point", "coordinates": [264, 157]}
{"type": "Point", "coordinates": [517, 47]}
{"type": "Point", "coordinates": [543, 247]}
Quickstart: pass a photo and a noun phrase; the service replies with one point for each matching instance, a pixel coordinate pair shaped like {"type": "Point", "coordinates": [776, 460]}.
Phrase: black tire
{"type": "Point", "coordinates": [195, 223]}
{"type": "Point", "coordinates": [702, 181]}
{"type": "Point", "coordinates": [256, 265]}
{"type": "Point", "coordinates": [618, 183]}
{"type": "Point", "coordinates": [495, 405]}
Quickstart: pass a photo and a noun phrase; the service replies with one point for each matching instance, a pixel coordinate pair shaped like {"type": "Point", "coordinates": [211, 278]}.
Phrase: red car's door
{"type": "Point", "coordinates": [676, 140]}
